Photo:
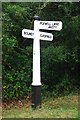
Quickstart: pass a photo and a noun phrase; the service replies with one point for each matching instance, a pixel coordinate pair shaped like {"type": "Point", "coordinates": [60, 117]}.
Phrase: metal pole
{"type": "Point", "coordinates": [36, 82]}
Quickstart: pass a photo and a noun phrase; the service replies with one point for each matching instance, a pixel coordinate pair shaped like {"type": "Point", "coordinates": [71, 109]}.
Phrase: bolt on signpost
{"type": "Point", "coordinates": [37, 35]}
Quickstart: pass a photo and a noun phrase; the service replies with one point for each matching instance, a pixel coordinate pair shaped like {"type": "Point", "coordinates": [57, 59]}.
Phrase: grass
{"type": "Point", "coordinates": [62, 107]}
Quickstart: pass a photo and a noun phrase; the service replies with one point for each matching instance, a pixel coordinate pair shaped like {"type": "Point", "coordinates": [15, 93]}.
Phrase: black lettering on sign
{"type": "Point", "coordinates": [46, 23]}
{"type": "Point", "coordinates": [24, 32]}
{"type": "Point", "coordinates": [42, 23]}
{"type": "Point", "coordinates": [41, 35]}
{"type": "Point", "coordinates": [52, 27]}
{"type": "Point", "coordinates": [46, 36]}
{"type": "Point", "coordinates": [28, 33]}
{"type": "Point", "coordinates": [56, 23]}
{"type": "Point", "coordinates": [31, 34]}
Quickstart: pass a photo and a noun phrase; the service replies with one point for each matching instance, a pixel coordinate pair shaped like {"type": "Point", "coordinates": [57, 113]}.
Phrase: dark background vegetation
{"type": "Point", "coordinates": [60, 59]}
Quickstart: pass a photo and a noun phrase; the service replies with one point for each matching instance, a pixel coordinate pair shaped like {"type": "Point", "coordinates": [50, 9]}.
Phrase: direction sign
{"type": "Point", "coordinates": [50, 25]}
{"type": "Point", "coordinates": [26, 33]}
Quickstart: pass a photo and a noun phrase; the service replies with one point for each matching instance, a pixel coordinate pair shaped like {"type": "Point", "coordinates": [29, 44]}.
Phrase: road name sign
{"type": "Point", "coordinates": [26, 33]}
{"type": "Point", "coordinates": [50, 25]}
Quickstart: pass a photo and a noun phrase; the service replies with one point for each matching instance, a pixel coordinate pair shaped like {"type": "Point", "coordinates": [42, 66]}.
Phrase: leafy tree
{"type": "Point", "coordinates": [60, 59]}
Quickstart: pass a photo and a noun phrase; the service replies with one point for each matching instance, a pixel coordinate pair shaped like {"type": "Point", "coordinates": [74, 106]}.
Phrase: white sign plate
{"type": "Point", "coordinates": [26, 33]}
{"type": "Point", "coordinates": [50, 25]}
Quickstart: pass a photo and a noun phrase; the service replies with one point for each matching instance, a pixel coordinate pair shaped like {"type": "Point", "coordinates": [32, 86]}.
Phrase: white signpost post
{"type": "Point", "coordinates": [37, 35]}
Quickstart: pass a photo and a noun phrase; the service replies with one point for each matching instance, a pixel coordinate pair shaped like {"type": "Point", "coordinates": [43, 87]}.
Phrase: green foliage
{"type": "Point", "coordinates": [53, 60]}
{"type": "Point", "coordinates": [16, 70]}
{"type": "Point", "coordinates": [59, 70]}
{"type": "Point", "coordinates": [60, 59]}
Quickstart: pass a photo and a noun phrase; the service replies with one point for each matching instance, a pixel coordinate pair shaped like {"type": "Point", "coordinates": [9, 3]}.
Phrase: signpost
{"type": "Point", "coordinates": [37, 35]}
{"type": "Point", "coordinates": [26, 33]}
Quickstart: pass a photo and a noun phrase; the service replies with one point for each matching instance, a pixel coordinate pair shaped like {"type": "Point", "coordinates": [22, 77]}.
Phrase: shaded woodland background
{"type": "Point", "coordinates": [60, 59]}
